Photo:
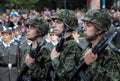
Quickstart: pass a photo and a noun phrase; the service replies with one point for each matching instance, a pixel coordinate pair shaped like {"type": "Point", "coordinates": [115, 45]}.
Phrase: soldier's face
{"type": "Point", "coordinates": [31, 32]}
{"type": "Point", "coordinates": [58, 26]}
{"type": "Point", "coordinates": [6, 37]}
{"type": "Point", "coordinates": [89, 29]}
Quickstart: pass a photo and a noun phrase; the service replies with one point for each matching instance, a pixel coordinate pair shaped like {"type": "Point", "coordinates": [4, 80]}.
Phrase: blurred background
{"type": "Point", "coordinates": [54, 4]}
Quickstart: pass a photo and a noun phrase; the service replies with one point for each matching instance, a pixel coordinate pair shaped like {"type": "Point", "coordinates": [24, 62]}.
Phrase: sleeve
{"type": "Point", "coordinates": [38, 68]}
{"type": "Point", "coordinates": [112, 65]}
{"type": "Point", "coordinates": [23, 57]}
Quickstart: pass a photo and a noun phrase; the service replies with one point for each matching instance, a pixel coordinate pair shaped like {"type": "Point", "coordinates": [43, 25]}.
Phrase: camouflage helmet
{"type": "Point", "coordinates": [68, 17]}
{"type": "Point", "coordinates": [100, 18]}
{"type": "Point", "coordinates": [39, 23]}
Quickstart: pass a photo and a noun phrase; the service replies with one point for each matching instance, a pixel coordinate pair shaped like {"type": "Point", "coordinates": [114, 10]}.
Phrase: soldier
{"type": "Point", "coordinates": [37, 29]}
{"type": "Point", "coordinates": [106, 66]}
{"type": "Point", "coordinates": [10, 55]}
{"type": "Point", "coordinates": [64, 23]}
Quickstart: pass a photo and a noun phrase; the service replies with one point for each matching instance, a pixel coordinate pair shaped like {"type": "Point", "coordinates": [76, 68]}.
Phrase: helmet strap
{"type": "Point", "coordinates": [68, 27]}
{"type": "Point", "coordinates": [37, 35]}
{"type": "Point", "coordinates": [97, 33]}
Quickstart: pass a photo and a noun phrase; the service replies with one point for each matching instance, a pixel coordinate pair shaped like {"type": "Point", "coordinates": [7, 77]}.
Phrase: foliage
{"type": "Point", "coordinates": [22, 4]}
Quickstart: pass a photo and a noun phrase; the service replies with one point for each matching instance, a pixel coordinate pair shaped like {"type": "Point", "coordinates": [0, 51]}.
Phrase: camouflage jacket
{"type": "Point", "coordinates": [37, 70]}
{"type": "Point", "coordinates": [67, 60]}
{"type": "Point", "coordinates": [106, 67]}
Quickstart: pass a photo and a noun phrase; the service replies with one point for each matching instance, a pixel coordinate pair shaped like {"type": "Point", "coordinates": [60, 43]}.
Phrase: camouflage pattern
{"type": "Point", "coordinates": [68, 17]}
{"type": "Point", "coordinates": [70, 51]}
{"type": "Point", "coordinates": [99, 18]}
{"type": "Point", "coordinates": [43, 60]}
{"type": "Point", "coordinates": [39, 23]}
{"type": "Point", "coordinates": [63, 66]}
{"type": "Point", "coordinates": [106, 67]}
{"type": "Point", "coordinates": [70, 54]}
{"type": "Point", "coordinates": [37, 70]}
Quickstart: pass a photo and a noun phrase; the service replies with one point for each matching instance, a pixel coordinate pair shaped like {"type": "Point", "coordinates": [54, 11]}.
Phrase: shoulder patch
{"type": "Point", "coordinates": [15, 43]}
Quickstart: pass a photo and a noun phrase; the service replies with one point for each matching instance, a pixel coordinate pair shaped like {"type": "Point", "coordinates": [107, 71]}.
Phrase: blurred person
{"type": "Point", "coordinates": [54, 39]}
{"type": "Point", "coordinates": [47, 12]}
{"type": "Point", "coordinates": [14, 21]}
{"type": "Point", "coordinates": [23, 26]}
{"type": "Point", "coordinates": [14, 13]}
{"type": "Point", "coordinates": [80, 16]}
{"type": "Point", "coordinates": [5, 19]}
{"type": "Point", "coordinates": [20, 39]}
{"type": "Point", "coordinates": [10, 57]}
{"type": "Point", "coordinates": [80, 40]}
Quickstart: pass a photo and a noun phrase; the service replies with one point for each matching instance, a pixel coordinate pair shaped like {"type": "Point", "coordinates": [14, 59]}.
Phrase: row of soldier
{"type": "Point", "coordinates": [47, 63]}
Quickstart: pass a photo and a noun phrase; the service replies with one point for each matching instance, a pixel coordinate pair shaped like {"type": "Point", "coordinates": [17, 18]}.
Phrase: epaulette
{"type": "Point", "coordinates": [22, 43]}
{"type": "Point", "coordinates": [15, 43]}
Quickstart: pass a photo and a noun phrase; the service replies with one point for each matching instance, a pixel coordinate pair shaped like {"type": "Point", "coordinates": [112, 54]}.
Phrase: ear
{"type": "Point", "coordinates": [100, 31]}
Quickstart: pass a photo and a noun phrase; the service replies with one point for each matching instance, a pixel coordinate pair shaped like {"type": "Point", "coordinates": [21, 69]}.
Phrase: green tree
{"type": "Point", "coordinates": [23, 4]}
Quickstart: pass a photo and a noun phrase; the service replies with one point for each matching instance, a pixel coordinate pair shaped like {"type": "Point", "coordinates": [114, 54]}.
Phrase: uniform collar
{"type": "Point", "coordinates": [17, 38]}
{"type": "Point", "coordinates": [7, 45]}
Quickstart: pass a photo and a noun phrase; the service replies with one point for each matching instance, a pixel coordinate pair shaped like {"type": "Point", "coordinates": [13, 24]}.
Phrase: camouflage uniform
{"type": "Point", "coordinates": [68, 59]}
{"type": "Point", "coordinates": [71, 51]}
{"type": "Point", "coordinates": [37, 69]}
{"type": "Point", "coordinates": [107, 66]}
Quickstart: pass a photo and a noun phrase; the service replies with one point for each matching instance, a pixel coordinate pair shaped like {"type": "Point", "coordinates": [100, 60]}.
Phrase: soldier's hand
{"type": "Point", "coordinates": [54, 54]}
{"type": "Point", "coordinates": [29, 60]}
{"type": "Point", "coordinates": [89, 57]}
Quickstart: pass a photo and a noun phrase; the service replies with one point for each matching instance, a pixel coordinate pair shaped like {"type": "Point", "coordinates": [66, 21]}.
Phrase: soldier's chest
{"type": "Point", "coordinates": [5, 51]}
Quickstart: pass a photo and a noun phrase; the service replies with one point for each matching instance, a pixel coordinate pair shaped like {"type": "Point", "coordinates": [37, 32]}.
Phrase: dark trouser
{"type": "Point", "coordinates": [26, 78]}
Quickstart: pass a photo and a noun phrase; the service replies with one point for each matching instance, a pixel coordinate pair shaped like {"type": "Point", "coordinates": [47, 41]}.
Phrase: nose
{"type": "Point", "coordinates": [28, 29]}
{"type": "Point", "coordinates": [84, 27]}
